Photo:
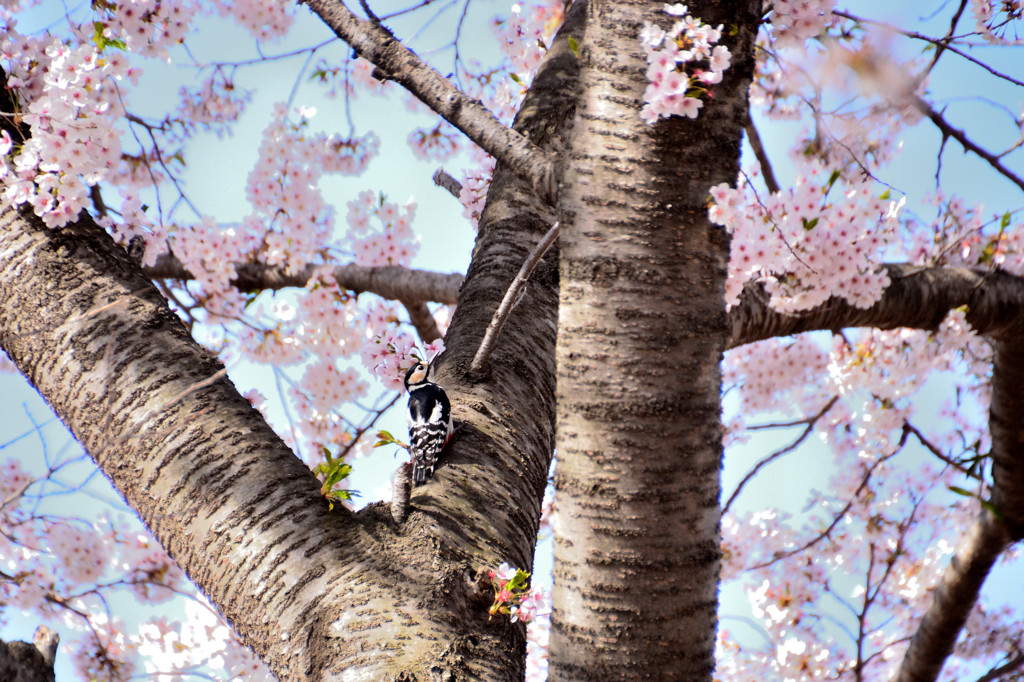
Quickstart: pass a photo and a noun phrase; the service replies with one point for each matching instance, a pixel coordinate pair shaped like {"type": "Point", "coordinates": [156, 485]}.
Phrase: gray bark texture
{"type": "Point", "coordinates": [622, 326]}
{"type": "Point", "coordinates": [318, 595]}
{"type": "Point", "coordinates": [641, 332]}
{"type": "Point", "coordinates": [24, 662]}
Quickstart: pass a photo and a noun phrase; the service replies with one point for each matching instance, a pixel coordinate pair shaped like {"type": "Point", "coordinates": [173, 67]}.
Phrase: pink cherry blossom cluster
{"type": "Point", "coordinates": [773, 90]}
{"type": "Point", "coordinates": [66, 570]}
{"type": "Point", "coordinates": [395, 244]}
{"type": "Point", "coordinates": [181, 646]}
{"type": "Point", "coordinates": [523, 37]}
{"type": "Point", "coordinates": [822, 238]}
{"type": "Point", "coordinates": [777, 372]}
{"type": "Point", "coordinates": [514, 598]}
{"type": "Point", "coordinates": [290, 212]}
{"type": "Point", "coordinates": [794, 21]}
{"type": "Point", "coordinates": [994, 28]}
{"type": "Point", "coordinates": [872, 550]}
{"type": "Point", "coordinates": [264, 19]}
{"type": "Point", "coordinates": [320, 394]}
{"type": "Point", "coordinates": [963, 235]}
{"type": "Point", "coordinates": [69, 98]}
{"type": "Point", "coordinates": [13, 479]}
{"type": "Point", "coordinates": [389, 356]}
{"type": "Point", "coordinates": [76, 547]}
{"type": "Point", "coordinates": [110, 659]}
{"type": "Point", "coordinates": [149, 572]}
{"type": "Point", "coordinates": [475, 183]}
{"type": "Point", "coordinates": [875, 99]}
{"type": "Point", "coordinates": [283, 190]}
{"type": "Point", "coordinates": [327, 322]}
{"type": "Point", "coordinates": [212, 106]}
{"type": "Point", "coordinates": [134, 222]}
{"type": "Point", "coordinates": [439, 143]}
{"type": "Point", "coordinates": [210, 252]}
{"type": "Point", "coordinates": [892, 365]}
{"type": "Point", "coordinates": [145, 27]}
{"type": "Point", "coordinates": [682, 63]}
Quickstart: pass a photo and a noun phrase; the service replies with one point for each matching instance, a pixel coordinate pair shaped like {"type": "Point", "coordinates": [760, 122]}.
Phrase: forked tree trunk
{"type": "Point", "coordinates": [641, 333]}
{"type": "Point", "coordinates": [319, 595]}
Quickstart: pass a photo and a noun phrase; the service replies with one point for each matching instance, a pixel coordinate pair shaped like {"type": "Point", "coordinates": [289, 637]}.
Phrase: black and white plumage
{"type": "Point", "coordinates": [430, 421]}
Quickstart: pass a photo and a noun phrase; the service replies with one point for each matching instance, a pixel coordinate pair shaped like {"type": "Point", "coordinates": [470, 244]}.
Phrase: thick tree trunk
{"type": "Point", "coordinates": [641, 333]}
{"type": "Point", "coordinates": [318, 595]}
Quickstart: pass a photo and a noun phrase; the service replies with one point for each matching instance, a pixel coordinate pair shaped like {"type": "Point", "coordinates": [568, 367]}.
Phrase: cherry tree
{"type": "Point", "coordinates": [638, 301]}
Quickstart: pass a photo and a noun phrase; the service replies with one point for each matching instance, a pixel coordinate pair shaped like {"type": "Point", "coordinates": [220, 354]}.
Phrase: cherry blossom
{"type": "Point", "coordinates": [673, 91]}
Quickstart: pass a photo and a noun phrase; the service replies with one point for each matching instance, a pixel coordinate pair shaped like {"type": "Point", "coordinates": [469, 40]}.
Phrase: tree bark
{"type": "Point", "coordinates": [641, 333]}
{"type": "Point", "coordinates": [24, 662]}
{"type": "Point", "coordinates": [318, 595]}
{"type": "Point", "coordinates": [918, 296]}
{"type": "Point", "coordinates": [388, 281]}
{"type": "Point", "coordinates": [954, 598]}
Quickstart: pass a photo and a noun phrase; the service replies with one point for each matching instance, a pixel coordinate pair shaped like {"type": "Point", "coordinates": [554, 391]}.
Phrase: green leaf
{"type": "Point", "coordinates": [809, 224]}
{"type": "Point", "coordinates": [102, 42]}
{"type": "Point", "coordinates": [1004, 222]}
{"type": "Point", "coordinates": [574, 46]}
{"type": "Point", "coordinates": [518, 580]}
{"type": "Point", "coordinates": [987, 504]}
{"type": "Point", "coordinates": [960, 491]}
{"type": "Point", "coordinates": [384, 438]}
{"type": "Point", "coordinates": [885, 195]}
{"type": "Point", "coordinates": [515, 78]}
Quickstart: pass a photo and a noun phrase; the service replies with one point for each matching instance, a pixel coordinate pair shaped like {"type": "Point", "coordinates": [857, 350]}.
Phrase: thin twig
{"type": "Point", "coordinates": [944, 42]}
{"type": "Point", "coordinates": [785, 554]}
{"type": "Point", "coordinates": [512, 297]}
{"type": "Point", "coordinates": [960, 136]}
{"type": "Point", "coordinates": [762, 158]}
{"type": "Point", "coordinates": [997, 673]}
{"type": "Point", "coordinates": [808, 423]}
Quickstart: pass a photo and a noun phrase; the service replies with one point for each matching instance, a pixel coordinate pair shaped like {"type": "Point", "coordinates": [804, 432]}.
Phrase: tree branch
{"type": "Point", "coordinates": [1006, 426]}
{"type": "Point", "coordinates": [918, 297]}
{"type": "Point", "coordinates": [511, 298]}
{"type": "Point", "coordinates": [375, 43]}
{"type": "Point", "coordinates": [390, 282]}
{"type": "Point", "coordinates": [754, 138]}
{"type": "Point", "coordinates": [997, 673]}
{"type": "Point", "coordinates": [423, 321]}
{"type": "Point", "coordinates": [447, 182]}
{"type": "Point", "coordinates": [960, 136]}
{"type": "Point", "coordinates": [401, 489]}
{"type": "Point", "coordinates": [954, 598]}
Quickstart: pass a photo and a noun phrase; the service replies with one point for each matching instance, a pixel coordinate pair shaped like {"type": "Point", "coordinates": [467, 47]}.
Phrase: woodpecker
{"type": "Point", "coordinates": [430, 421]}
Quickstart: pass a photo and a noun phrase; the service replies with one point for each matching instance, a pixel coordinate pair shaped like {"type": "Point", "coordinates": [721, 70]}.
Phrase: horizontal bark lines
{"type": "Point", "coordinates": [641, 331]}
